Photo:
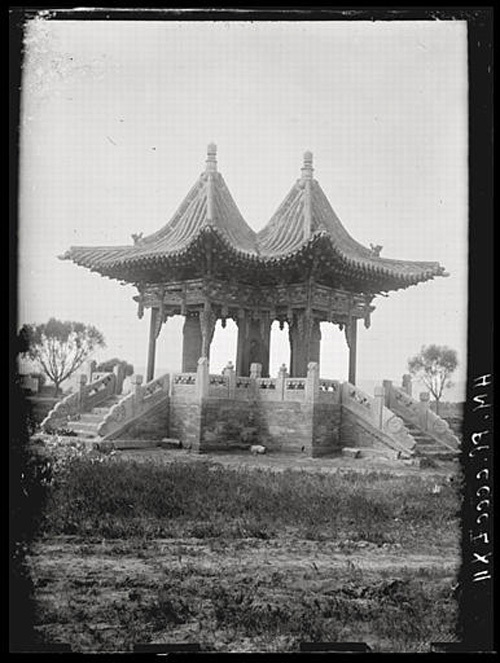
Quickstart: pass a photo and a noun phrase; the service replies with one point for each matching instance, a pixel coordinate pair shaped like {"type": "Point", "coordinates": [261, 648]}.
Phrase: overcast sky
{"type": "Point", "coordinates": [116, 117]}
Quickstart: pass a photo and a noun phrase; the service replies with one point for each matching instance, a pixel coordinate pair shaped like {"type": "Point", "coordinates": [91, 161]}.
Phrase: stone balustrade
{"type": "Point", "coordinates": [138, 402]}
{"type": "Point", "coordinates": [83, 400]}
{"type": "Point", "coordinates": [373, 412]}
{"type": "Point", "coordinates": [420, 414]}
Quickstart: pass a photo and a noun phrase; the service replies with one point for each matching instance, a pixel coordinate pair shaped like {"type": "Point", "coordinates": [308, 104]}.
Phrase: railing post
{"type": "Point", "coordinates": [202, 378]}
{"type": "Point", "coordinates": [91, 369]}
{"type": "Point", "coordinates": [230, 373]}
{"type": "Point", "coordinates": [387, 385]}
{"type": "Point", "coordinates": [280, 382]}
{"type": "Point", "coordinates": [378, 405]}
{"type": "Point", "coordinates": [118, 370]}
{"type": "Point", "coordinates": [406, 384]}
{"type": "Point", "coordinates": [312, 382]}
{"type": "Point", "coordinates": [81, 391]}
{"type": "Point", "coordinates": [137, 384]}
{"type": "Point", "coordinates": [424, 404]}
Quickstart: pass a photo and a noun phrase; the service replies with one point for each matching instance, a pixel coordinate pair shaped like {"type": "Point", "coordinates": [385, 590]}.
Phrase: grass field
{"type": "Point", "coordinates": [243, 558]}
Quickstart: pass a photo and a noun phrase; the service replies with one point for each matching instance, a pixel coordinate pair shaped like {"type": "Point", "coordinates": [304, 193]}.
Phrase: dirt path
{"type": "Point", "coordinates": [64, 556]}
{"type": "Point", "coordinates": [108, 595]}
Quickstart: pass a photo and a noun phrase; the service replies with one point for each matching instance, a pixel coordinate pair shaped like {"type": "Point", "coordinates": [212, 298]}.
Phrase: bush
{"type": "Point", "coordinates": [109, 365]}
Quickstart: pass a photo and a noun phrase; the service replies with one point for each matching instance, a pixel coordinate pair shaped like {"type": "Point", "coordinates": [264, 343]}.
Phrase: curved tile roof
{"type": "Point", "coordinates": [303, 221]}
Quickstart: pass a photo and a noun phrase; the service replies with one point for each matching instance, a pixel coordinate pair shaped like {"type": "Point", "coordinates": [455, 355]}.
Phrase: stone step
{"type": "Point", "coordinates": [89, 417]}
{"type": "Point", "coordinates": [84, 426]}
{"type": "Point", "coordinates": [101, 411]}
{"type": "Point", "coordinates": [105, 406]}
{"type": "Point", "coordinates": [351, 452]}
{"type": "Point", "coordinates": [370, 452]}
{"type": "Point", "coordinates": [81, 435]}
{"type": "Point", "coordinates": [111, 445]}
{"type": "Point", "coordinates": [436, 453]}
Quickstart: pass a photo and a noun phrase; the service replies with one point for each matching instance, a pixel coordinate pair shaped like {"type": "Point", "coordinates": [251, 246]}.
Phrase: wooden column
{"type": "Point", "coordinates": [153, 327]}
{"type": "Point", "coordinates": [207, 327]}
{"type": "Point", "coordinates": [191, 343]}
{"type": "Point", "coordinates": [240, 345]}
{"type": "Point", "coordinates": [305, 338]}
{"type": "Point", "coordinates": [353, 333]}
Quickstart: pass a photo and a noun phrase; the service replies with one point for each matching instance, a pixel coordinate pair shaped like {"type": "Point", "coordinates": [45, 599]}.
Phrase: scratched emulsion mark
{"type": "Point", "coordinates": [49, 67]}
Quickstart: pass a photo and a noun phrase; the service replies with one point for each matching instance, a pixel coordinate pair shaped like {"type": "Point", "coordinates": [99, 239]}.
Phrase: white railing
{"type": "Point", "coordinates": [140, 401]}
{"type": "Point", "coordinates": [83, 400]}
{"type": "Point", "coordinates": [329, 391]}
{"type": "Point", "coordinates": [371, 410]}
{"type": "Point", "coordinates": [419, 414]}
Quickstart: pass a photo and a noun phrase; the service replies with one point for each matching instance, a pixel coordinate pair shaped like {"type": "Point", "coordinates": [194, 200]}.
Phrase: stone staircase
{"type": "Point", "coordinates": [85, 425]}
{"type": "Point", "coordinates": [98, 413]}
{"type": "Point", "coordinates": [427, 445]}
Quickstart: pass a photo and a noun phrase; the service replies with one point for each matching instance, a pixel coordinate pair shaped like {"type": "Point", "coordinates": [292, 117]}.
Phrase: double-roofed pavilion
{"type": "Point", "coordinates": [301, 269]}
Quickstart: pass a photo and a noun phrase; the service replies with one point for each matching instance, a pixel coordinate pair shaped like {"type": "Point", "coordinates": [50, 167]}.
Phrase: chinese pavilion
{"type": "Point", "coordinates": [207, 264]}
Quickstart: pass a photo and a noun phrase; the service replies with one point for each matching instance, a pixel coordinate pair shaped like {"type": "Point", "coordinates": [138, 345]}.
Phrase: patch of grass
{"type": "Point", "coordinates": [125, 499]}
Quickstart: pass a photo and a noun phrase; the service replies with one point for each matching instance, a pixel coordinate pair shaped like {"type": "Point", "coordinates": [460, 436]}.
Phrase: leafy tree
{"type": "Point", "coordinates": [434, 365]}
{"type": "Point", "coordinates": [60, 348]}
{"type": "Point", "coordinates": [108, 366]}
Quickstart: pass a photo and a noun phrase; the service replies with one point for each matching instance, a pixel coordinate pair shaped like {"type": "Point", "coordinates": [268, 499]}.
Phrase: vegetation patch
{"type": "Point", "coordinates": [239, 559]}
{"type": "Point", "coordinates": [113, 498]}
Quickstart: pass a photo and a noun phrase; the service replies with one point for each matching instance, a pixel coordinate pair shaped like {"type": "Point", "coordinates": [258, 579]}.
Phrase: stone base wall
{"type": "Point", "coordinates": [221, 424]}
{"type": "Point", "coordinates": [280, 426]}
{"type": "Point", "coordinates": [228, 425]}
{"type": "Point", "coordinates": [288, 426]}
{"type": "Point", "coordinates": [355, 432]}
{"type": "Point", "coordinates": [326, 439]}
{"type": "Point", "coordinates": [185, 423]}
{"type": "Point", "coordinates": [154, 425]}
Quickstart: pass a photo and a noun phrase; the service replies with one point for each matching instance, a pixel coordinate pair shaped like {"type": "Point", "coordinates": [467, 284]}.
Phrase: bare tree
{"type": "Point", "coordinates": [434, 365]}
{"type": "Point", "coordinates": [60, 348]}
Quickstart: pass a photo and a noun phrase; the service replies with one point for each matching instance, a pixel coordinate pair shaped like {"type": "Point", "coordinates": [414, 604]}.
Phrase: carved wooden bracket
{"type": "Point", "coordinates": [347, 331]}
{"type": "Point", "coordinates": [208, 320]}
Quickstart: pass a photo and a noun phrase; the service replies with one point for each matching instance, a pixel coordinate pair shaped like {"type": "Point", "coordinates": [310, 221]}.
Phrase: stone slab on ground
{"type": "Point", "coordinates": [351, 452]}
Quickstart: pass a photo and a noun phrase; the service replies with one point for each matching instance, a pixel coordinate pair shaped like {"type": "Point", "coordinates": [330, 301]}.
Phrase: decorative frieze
{"type": "Point", "coordinates": [278, 302]}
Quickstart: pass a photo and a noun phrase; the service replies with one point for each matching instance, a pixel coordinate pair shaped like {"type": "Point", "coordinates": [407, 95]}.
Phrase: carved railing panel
{"type": "Point", "coordinates": [98, 391]}
{"type": "Point", "coordinates": [428, 421]}
{"type": "Point", "coordinates": [155, 391]}
{"type": "Point", "coordinates": [134, 405]}
{"type": "Point", "coordinates": [243, 388]}
{"type": "Point", "coordinates": [183, 384]}
{"type": "Point", "coordinates": [295, 389]}
{"type": "Point", "coordinates": [269, 389]}
{"type": "Point", "coordinates": [392, 428]}
{"type": "Point", "coordinates": [218, 386]}
{"type": "Point", "coordinates": [83, 400]}
{"type": "Point", "coordinates": [329, 391]}
{"type": "Point", "coordinates": [358, 401]}
{"type": "Point", "coordinates": [62, 412]}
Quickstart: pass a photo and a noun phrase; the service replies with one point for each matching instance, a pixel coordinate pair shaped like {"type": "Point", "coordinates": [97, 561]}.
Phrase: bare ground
{"type": "Point", "coordinates": [107, 595]}
{"type": "Point", "coordinates": [278, 462]}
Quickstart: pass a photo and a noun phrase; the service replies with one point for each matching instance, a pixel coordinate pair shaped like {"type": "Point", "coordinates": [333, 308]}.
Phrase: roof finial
{"type": "Point", "coordinates": [307, 169]}
{"type": "Point", "coordinates": [211, 160]}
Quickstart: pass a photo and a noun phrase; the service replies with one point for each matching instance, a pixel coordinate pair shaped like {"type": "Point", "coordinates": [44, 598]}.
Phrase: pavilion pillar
{"type": "Point", "coordinates": [254, 337]}
{"type": "Point", "coordinates": [352, 333]}
{"type": "Point", "coordinates": [207, 328]}
{"type": "Point", "coordinates": [191, 343]}
{"type": "Point", "coordinates": [153, 333]}
{"type": "Point", "coordinates": [305, 338]}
